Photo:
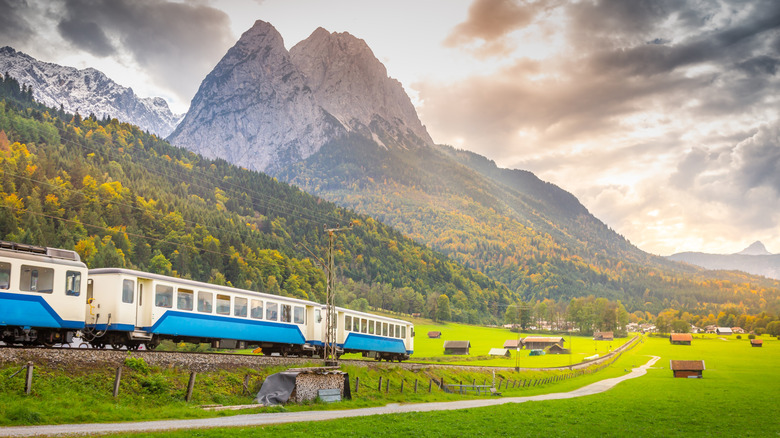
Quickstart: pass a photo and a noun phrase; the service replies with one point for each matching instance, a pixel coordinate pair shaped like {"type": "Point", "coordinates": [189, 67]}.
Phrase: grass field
{"type": "Point", "coordinates": [738, 397]}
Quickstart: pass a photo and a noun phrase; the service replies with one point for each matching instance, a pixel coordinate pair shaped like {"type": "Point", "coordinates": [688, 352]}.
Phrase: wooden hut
{"type": "Point", "coordinates": [541, 342]}
{"type": "Point", "coordinates": [726, 331]}
{"type": "Point", "coordinates": [513, 344]}
{"type": "Point", "coordinates": [500, 352]}
{"type": "Point", "coordinates": [756, 343]}
{"type": "Point", "coordinates": [680, 338]}
{"type": "Point", "coordinates": [603, 336]}
{"type": "Point", "coordinates": [557, 349]}
{"type": "Point", "coordinates": [691, 369]}
{"type": "Point", "coordinates": [434, 335]}
{"type": "Point", "coordinates": [457, 347]}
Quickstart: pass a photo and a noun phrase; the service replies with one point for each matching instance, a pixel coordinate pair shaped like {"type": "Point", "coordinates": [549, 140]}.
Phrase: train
{"type": "Point", "coordinates": [48, 296]}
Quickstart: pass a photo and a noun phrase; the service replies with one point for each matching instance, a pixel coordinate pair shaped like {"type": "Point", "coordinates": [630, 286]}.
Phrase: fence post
{"type": "Point", "coordinates": [402, 385]}
{"type": "Point", "coordinates": [357, 384]}
{"type": "Point", "coordinates": [28, 380]}
{"type": "Point", "coordinates": [415, 386]}
{"type": "Point", "coordinates": [117, 380]}
{"type": "Point", "coordinates": [379, 388]}
{"type": "Point", "coordinates": [387, 386]}
{"type": "Point", "coordinates": [430, 385]}
{"type": "Point", "coordinates": [190, 386]}
{"type": "Point", "coordinates": [246, 383]}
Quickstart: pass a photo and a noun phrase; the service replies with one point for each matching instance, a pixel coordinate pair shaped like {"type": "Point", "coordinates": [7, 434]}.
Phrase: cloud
{"type": "Point", "coordinates": [176, 43]}
{"type": "Point", "coordinates": [14, 27]}
{"type": "Point", "coordinates": [660, 115]}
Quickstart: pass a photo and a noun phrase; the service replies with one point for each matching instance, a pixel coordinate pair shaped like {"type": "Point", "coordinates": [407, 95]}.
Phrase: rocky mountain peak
{"type": "Point", "coordinates": [755, 248]}
{"type": "Point", "coordinates": [263, 107]}
{"type": "Point", "coordinates": [87, 91]}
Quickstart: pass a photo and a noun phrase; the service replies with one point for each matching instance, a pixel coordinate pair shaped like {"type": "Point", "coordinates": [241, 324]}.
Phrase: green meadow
{"type": "Point", "coordinates": [738, 397]}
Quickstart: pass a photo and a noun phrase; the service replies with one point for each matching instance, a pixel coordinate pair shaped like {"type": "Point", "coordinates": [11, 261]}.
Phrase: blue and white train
{"type": "Point", "coordinates": [43, 300]}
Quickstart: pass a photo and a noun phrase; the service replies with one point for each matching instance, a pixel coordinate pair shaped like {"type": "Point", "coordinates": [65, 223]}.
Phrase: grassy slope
{"type": "Point", "coordinates": [737, 397]}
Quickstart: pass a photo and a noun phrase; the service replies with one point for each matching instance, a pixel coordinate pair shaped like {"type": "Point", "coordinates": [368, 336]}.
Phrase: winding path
{"type": "Point", "coordinates": [293, 417]}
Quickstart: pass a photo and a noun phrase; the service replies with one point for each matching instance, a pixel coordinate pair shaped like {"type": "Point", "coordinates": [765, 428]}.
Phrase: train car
{"type": "Point", "coordinates": [41, 299]}
{"type": "Point", "coordinates": [130, 308]}
{"type": "Point", "coordinates": [374, 336]}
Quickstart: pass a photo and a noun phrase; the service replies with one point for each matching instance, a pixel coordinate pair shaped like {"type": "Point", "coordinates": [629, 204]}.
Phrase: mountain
{"type": "Point", "coordinates": [326, 117]}
{"type": "Point", "coordinates": [755, 259]}
{"type": "Point", "coordinates": [263, 107]}
{"type": "Point", "coordinates": [87, 91]}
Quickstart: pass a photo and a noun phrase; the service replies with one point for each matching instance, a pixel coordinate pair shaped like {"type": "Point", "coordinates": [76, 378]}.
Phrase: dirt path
{"type": "Point", "coordinates": [292, 417]}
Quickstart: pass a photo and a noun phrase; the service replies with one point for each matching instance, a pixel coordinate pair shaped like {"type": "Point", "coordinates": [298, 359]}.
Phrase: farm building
{"type": "Point", "coordinates": [541, 342]}
{"type": "Point", "coordinates": [756, 343]}
{"type": "Point", "coordinates": [557, 349]}
{"type": "Point", "coordinates": [738, 330]}
{"type": "Point", "coordinates": [456, 347]}
{"type": "Point", "coordinates": [724, 331]}
{"type": "Point", "coordinates": [434, 335]}
{"type": "Point", "coordinates": [687, 368]}
{"type": "Point", "coordinates": [500, 352]}
{"type": "Point", "coordinates": [603, 336]}
{"type": "Point", "coordinates": [680, 338]}
{"type": "Point", "coordinates": [513, 344]}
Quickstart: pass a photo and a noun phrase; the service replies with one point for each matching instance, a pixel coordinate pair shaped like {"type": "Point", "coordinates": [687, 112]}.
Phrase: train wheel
{"type": "Point", "coordinates": [117, 346]}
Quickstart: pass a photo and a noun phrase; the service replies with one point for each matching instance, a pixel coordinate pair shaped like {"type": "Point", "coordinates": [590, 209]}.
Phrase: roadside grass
{"type": "Point", "coordinates": [738, 397]}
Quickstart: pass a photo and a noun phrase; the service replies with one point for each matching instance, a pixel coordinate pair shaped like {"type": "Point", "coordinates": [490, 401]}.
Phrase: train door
{"type": "Point", "coordinates": [145, 299]}
{"type": "Point", "coordinates": [314, 321]}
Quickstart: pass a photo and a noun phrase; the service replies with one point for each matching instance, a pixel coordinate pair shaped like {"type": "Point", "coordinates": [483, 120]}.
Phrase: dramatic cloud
{"type": "Point", "coordinates": [14, 26]}
{"type": "Point", "coordinates": [660, 115]}
{"type": "Point", "coordinates": [177, 43]}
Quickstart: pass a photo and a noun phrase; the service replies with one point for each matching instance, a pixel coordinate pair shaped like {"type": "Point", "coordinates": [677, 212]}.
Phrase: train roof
{"type": "Point", "coordinates": [195, 284]}
{"type": "Point", "coordinates": [370, 315]}
{"type": "Point", "coordinates": [33, 252]}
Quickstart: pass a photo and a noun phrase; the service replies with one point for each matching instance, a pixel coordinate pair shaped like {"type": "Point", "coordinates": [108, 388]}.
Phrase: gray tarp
{"type": "Point", "coordinates": [277, 388]}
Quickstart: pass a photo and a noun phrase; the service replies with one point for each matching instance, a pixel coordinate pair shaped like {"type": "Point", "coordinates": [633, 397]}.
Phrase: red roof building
{"type": "Point", "coordinates": [680, 338]}
{"type": "Point", "coordinates": [691, 369]}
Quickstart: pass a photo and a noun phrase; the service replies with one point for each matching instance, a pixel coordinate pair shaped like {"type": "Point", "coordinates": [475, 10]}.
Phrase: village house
{"type": "Point", "coordinates": [603, 336]}
{"type": "Point", "coordinates": [725, 331]}
{"type": "Point", "coordinates": [500, 352]}
{"type": "Point", "coordinates": [513, 344]}
{"type": "Point", "coordinates": [691, 369]}
{"type": "Point", "coordinates": [557, 349]}
{"type": "Point", "coordinates": [738, 330]}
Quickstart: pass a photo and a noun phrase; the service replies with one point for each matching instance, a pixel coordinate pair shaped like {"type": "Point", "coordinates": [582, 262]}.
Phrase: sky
{"type": "Point", "coordinates": [661, 116]}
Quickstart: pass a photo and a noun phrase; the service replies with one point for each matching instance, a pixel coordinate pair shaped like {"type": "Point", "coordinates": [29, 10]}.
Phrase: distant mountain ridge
{"type": "Point", "coordinates": [755, 259]}
{"type": "Point", "coordinates": [263, 107]}
{"type": "Point", "coordinates": [87, 91]}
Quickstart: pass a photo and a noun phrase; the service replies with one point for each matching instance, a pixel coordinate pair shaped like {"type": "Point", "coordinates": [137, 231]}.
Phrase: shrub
{"type": "Point", "coordinates": [154, 384]}
{"type": "Point", "coordinates": [138, 364]}
{"type": "Point", "coordinates": [739, 336]}
{"type": "Point", "coordinates": [751, 336]}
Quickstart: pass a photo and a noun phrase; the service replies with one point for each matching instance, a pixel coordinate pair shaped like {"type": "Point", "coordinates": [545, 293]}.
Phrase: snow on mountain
{"type": "Point", "coordinates": [87, 91]}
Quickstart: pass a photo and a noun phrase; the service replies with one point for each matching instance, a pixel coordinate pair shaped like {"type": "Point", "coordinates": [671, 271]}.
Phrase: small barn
{"type": "Point", "coordinates": [603, 336]}
{"type": "Point", "coordinates": [680, 338]}
{"type": "Point", "coordinates": [557, 349]}
{"type": "Point", "coordinates": [756, 343]}
{"type": "Point", "coordinates": [434, 335]}
{"type": "Point", "coordinates": [513, 344]}
{"type": "Point", "coordinates": [457, 347]}
{"type": "Point", "coordinates": [500, 352]}
{"type": "Point", "coordinates": [691, 369]}
{"type": "Point", "coordinates": [541, 342]}
{"type": "Point", "coordinates": [726, 331]}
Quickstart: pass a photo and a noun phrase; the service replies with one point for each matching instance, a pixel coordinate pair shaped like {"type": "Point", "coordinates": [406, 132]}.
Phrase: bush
{"type": "Point", "coordinates": [138, 364]}
{"type": "Point", "coordinates": [751, 336]}
{"type": "Point", "coordinates": [154, 384]}
{"type": "Point", "coordinates": [739, 336]}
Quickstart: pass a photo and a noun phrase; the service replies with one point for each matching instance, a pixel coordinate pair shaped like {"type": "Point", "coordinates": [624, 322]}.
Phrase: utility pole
{"type": "Point", "coordinates": [330, 297]}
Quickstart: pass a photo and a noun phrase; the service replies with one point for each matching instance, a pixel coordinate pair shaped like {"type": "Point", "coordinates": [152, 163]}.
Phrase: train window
{"type": "Point", "coordinates": [348, 323]}
{"type": "Point", "coordinates": [384, 329]}
{"type": "Point", "coordinates": [392, 330]}
{"type": "Point", "coordinates": [35, 279]}
{"type": "Point", "coordinates": [286, 313]}
{"type": "Point", "coordinates": [73, 283]}
{"type": "Point", "coordinates": [5, 275]}
{"type": "Point", "coordinates": [163, 296]}
{"type": "Point", "coordinates": [363, 326]}
{"type": "Point", "coordinates": [128, 286]}
{"type": "Point", "coordinates": [257, 309]}
{"type": "Point", "coordinates": [205, 301]}
{"type": "Point", "coordinates": [317, 315]}
{"type": "Point", "coordinates": [356, 322]}
{"type": "Point", "coordinates": [223, 304]}
{"type": "Point", "coordinates": [403, 332]}
{"type": "Point", "coordinates": [184, 299]}
{"type": "Point", "coordinates": [370, 327]}
{"type": "Point", "coordinates": [240, 307]}
{"type": "Point", "coordinates": [271, 311]}
{"type": "Point", "coordinates": [299, 315]}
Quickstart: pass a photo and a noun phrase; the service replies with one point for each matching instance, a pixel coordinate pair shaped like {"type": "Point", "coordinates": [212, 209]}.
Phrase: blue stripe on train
{"type": "Point", "coordinates": [31, 311]}
{"type": "Point", "coordinates": [176, 323]}
{"type": "Point", "coordinates": [359, 341]}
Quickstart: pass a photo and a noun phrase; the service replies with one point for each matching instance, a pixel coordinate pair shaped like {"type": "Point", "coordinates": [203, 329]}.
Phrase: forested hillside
{"type": "Point", "coordinates": [530, 235]}
{"type": "Point", "coordinates": [125, 198]}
